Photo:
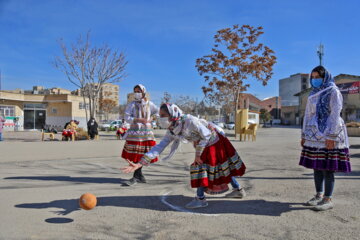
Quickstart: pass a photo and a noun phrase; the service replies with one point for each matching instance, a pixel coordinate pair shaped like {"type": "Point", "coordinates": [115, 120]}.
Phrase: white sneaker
{"type": "Point", "coordinates": [324, 205]}
{"type": "Point", "coordinates": [314, 201]}
{"type": "Point", "coordinates": [197, 203]}
{"type": "Point", "coordinates": [236, 193]}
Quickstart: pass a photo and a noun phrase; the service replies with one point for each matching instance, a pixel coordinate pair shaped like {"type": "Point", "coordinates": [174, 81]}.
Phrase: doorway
{"type": "Point", "coordinates": [34, 116]}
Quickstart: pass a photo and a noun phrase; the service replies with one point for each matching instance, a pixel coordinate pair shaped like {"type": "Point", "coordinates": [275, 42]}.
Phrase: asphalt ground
{"type": "Point", "coordinates": [41, 183]}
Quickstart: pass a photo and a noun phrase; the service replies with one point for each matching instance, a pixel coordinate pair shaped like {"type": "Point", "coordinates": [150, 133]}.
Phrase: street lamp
{"type": "Point", "coordinates": [320, 53]}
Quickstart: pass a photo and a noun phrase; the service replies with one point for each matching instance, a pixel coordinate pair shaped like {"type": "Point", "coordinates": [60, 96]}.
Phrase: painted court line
{"type": "Point", "coordinates": [163, 198]}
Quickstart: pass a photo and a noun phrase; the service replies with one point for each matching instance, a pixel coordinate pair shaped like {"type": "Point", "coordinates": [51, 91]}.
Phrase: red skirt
{"type": "Point", "coordinates": [134, 150]}
{"type": "Point", "coordinates": [220, 163]}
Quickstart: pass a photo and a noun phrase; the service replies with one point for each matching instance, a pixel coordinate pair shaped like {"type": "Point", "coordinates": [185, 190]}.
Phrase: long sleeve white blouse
{"type": "Point", "coordinates": [193, 130]}
{"type": "Point", "coordinates": [335, 127]}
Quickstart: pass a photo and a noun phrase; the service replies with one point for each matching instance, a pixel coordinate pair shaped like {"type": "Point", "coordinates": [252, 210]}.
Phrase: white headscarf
{"type": "Point", "coordinates": [142, 87]}
{"type": "Point", "coordinates": [142, 105]}
{"type": "Point", "coordinates": [174, 111]}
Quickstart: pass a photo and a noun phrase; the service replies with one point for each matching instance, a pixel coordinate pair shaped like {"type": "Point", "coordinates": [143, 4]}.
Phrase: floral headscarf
{"type": "Point", "coordinates": [323, 105]}
{"type": "Point", "coordinates": [142, 106]}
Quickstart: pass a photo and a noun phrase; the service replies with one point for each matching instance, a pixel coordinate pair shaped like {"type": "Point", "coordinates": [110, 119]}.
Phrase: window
{"type": "Point", "coordinates": [83, 105]}
{"type": "Point", "coordinates": [7, 111]}
{"type": "Point", "coordinates": [287, 115]}
{"type": "Point", "coordinates": [54, 110]}
{"type": "Point", "coordinates": [252, 116]}
{"type": "Point", "coordinates": [358, 114]}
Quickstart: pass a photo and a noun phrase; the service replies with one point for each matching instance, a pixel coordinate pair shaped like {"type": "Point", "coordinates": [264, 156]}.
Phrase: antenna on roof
{"type": "Point", "coordinates": [320, 53]}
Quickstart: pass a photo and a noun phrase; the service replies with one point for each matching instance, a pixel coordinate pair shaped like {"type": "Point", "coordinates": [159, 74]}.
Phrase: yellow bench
{"type": "Point", "coordinates": [250, 131]}
{"type": "Point", "coordinates": [50, 134]}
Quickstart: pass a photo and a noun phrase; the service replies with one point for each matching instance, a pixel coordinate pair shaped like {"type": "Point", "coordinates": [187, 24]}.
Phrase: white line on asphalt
{"type": "Point", "coordinates": [180, 209]}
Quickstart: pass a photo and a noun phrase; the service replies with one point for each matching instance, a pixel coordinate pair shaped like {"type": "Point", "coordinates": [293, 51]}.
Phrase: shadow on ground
{"type": "Point", "coordinates": [355, 146]}
{"type": "Point", "coordinates": [71, 179]}
{"type": "Point", "coordinates": [96, 180]}
{"type": "Point", "coordinates": [216, 205]}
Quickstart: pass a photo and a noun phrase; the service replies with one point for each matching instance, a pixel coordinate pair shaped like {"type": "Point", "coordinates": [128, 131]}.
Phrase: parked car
{"type": "Point", "coordinates": [230, 125]}
{"type": "Point", "coordinates": [111, 125]}
{"type": "Point", "coordinates": [219, 124]}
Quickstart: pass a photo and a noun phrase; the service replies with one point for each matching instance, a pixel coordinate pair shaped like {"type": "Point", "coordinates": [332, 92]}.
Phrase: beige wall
{"type": "Point", "coordinates": [60, 108]}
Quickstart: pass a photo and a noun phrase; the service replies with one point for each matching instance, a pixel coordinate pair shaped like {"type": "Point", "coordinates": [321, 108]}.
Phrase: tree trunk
{"type": "Point", "coordinates": [86, 111]}
{"type": "Point", "coordinates": [90, 107]}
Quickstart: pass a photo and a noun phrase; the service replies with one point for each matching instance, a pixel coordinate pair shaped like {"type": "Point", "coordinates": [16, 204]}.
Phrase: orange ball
{"type": "Point", "coordinates": [87, 201]}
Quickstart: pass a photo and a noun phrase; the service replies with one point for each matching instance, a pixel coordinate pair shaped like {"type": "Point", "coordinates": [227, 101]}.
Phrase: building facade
{"type": "Point", "coordinates": [272, 104]}
{"type": "Point", "coordinates": [31, 110]}
{"type": "Point", "coordinates": [349, 86]}
{"type": "Point", "coordinates": [288, 87]}
{"type": "Point", "coordinates": [108, 94]}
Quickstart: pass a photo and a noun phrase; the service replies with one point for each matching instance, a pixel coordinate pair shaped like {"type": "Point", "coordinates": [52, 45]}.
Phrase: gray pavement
{"type": "Point", "coordinates": [42, 181]}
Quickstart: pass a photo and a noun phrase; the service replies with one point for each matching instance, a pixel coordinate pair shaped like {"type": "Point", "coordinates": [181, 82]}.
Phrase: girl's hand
{"type": "Point", "coordinates": [302, 142]}
{"type": "Point", "coordinates": [330, 144]}
{"type": "Point", "coordinates": [131, 168]}
{"type": "Point", "coordinates": [198, 160]}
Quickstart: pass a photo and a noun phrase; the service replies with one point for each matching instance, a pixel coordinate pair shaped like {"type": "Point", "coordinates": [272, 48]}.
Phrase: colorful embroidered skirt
{"type": "Point", "coordinates": [220, 163]}
{"type": "Point", "coordinates": [138, 142]}
{"type": "Point", "coordinates": [323, 159]}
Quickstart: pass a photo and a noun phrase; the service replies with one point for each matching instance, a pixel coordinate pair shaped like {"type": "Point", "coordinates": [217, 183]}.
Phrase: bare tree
{"type": "Point", "coordinates": [121, 109]}
{"type": "Point", "coordinates": [186, 103]}
{"type": "Point", "coordinates": [88, 68]}
{"type": "Point", "coordinates": [236, 57]}
{"type": "Point", "coordinates": [166, 98]}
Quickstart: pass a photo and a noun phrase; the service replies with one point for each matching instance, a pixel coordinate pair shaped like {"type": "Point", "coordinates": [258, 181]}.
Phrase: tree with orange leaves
{"type": "Point", "coordinates": [235, 58]}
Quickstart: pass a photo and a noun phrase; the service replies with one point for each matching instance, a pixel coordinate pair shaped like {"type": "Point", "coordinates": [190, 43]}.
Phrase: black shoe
{"type": "Point", "coordinates": [141, 179]}
{"type": "Point", "coordinates": [131, 182]}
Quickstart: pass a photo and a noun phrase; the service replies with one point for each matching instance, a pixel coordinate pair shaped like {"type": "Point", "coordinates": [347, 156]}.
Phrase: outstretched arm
{"type": "Point", "coordinates": [152, 154]}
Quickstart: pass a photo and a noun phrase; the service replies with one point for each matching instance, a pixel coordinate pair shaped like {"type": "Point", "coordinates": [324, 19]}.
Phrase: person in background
{"type": "Point", "coordinates": [2, 121]}
{"type": "Point", "coordinates": [92, 128]}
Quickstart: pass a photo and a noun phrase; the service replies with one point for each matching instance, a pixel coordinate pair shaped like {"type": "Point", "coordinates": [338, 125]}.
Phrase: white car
{"type": "Point", "coordinates": [219, 124]}
{"type": "Point", "coordinates": [230, 125]}
{"type": "Point", "coordinates": [110, 124]}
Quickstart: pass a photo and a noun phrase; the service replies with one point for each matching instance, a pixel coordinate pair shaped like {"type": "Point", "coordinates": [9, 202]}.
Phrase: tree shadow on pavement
{"type": "Point", "coordinates": [71, 179]}
{"type": "Point", "coordinates": [174, 203]}
{"type": "Point", "coordinates": [355, 146]}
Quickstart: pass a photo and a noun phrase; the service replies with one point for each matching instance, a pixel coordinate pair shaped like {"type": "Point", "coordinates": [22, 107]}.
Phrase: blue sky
{"type": "Point", "coordinates": [163, 38]}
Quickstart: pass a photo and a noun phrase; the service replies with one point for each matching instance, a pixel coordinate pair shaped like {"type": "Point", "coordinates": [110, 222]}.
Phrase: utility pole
{"type": "Point", "coordinates": [320, 53]}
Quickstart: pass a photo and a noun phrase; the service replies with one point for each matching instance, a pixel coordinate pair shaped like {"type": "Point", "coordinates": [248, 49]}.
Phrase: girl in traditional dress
{"type": "Point", "coordinates": [139, 138]}
{"type": "Point", "coordinates": [324, 137]}
{"type": "Point", "coordinates": [216, 161]}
